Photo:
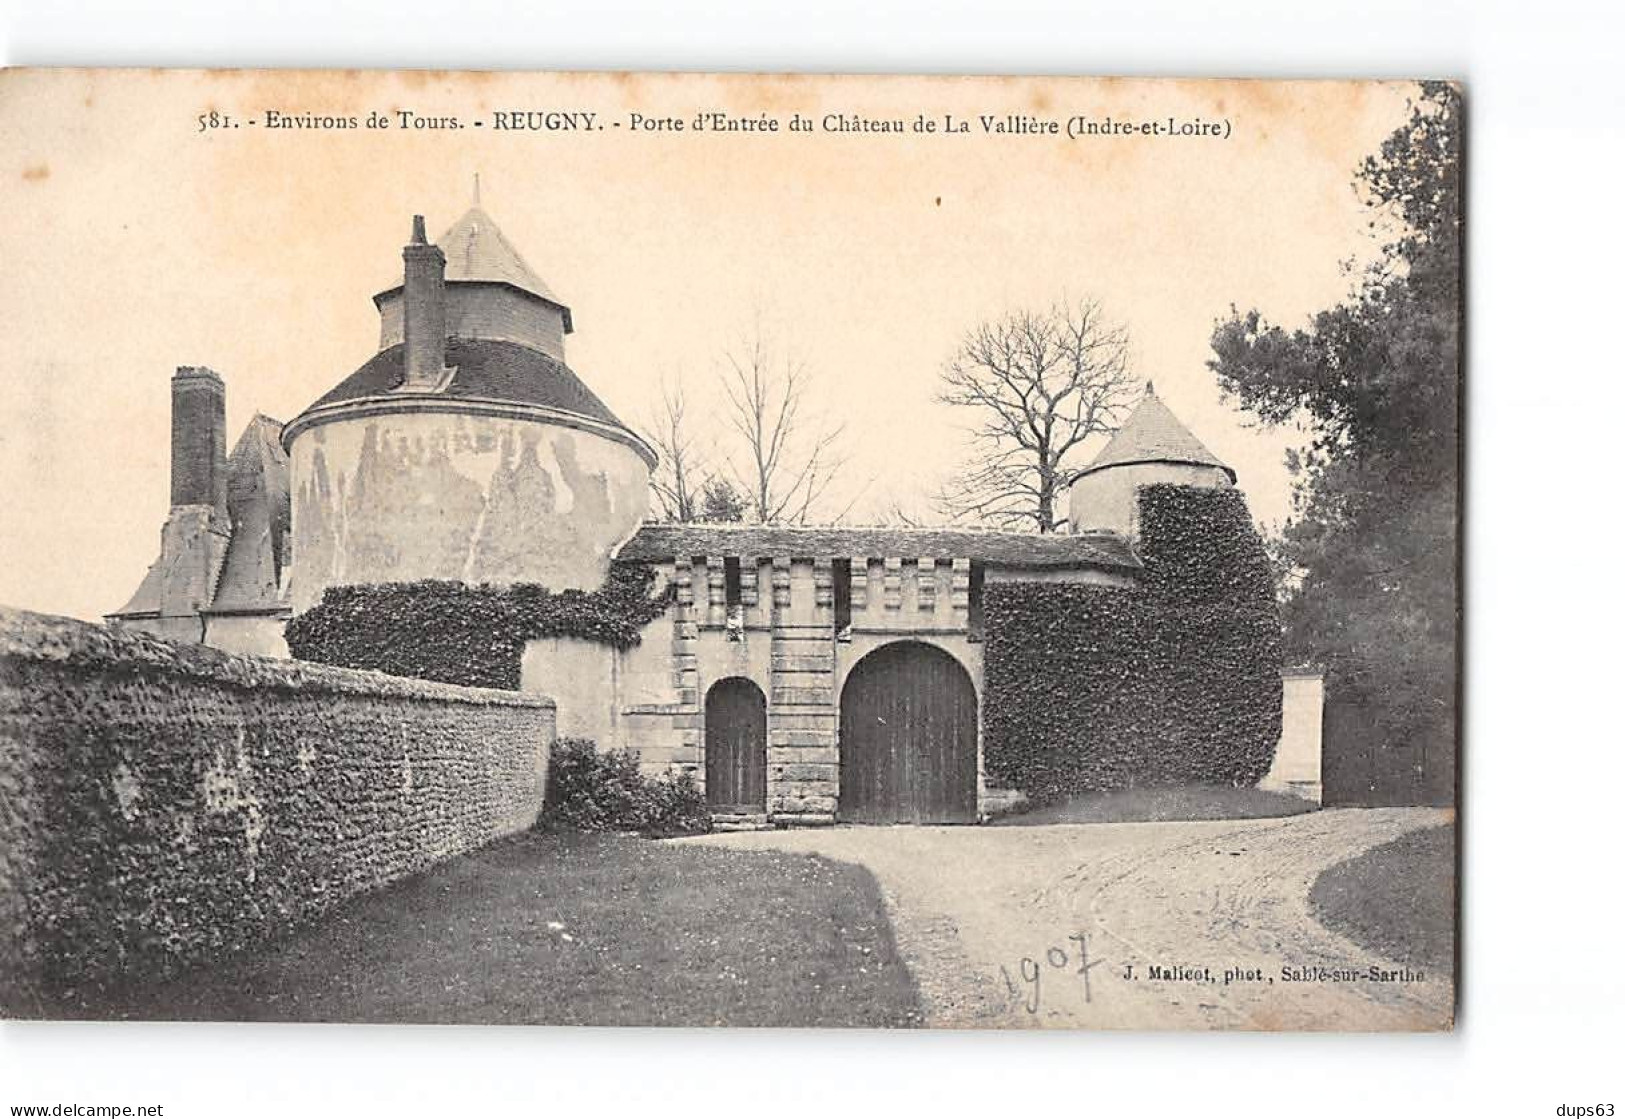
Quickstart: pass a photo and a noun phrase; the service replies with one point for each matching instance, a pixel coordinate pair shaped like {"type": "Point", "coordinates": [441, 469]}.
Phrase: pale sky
{"type": "Point", "coordinates": [132, 242]}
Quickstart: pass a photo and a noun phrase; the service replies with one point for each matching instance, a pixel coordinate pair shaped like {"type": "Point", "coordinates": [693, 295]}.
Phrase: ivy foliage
{"type": "Point", "coordinates": [163, 803]}
{"type": "Point", "coordinates": [593, 791]}
{"type": "Point", "coordinates": [462, 634]}
{"type": "Point", "coordinates": [1175, 681]}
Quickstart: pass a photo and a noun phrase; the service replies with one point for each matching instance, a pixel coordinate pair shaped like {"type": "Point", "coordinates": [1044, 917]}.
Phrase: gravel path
{"type": "Point", "coordinates": [995, 922]}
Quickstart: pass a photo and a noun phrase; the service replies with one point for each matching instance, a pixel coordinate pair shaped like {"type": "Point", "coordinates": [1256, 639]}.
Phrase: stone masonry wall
{"type": "Point", "coordinates": [160, 802]}
{"type": "Point", "coordinates": [784, 639]}
{"type": "Point", "coordinates": [484, 311]}
{"type": "Point", "coordinates": [782, 635]}
{"type": "Point", "coordinates": [460, 497]}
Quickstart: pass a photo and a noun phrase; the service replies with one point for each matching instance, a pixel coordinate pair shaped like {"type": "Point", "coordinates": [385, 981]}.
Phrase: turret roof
{"type": "Point", "coordinates": [477, 251]}
{"type": "Point", "coordinates": [484, 370]}
{"type": "Point", "coordinates": [1152, 433]}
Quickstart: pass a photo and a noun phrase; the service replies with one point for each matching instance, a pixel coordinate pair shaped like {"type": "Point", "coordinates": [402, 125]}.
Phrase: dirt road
{"type": "Point", "coordinates": [1134, 926]}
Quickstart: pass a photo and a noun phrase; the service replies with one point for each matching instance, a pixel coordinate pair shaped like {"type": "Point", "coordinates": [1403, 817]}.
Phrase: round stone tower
{"type": "Point", "coordinates": [1151, 447]}
{"type": "Point", "coordinates": [465, 449]}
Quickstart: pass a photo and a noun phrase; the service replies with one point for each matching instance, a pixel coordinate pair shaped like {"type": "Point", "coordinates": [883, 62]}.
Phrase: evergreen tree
{"type": "Point", "coordinates": [1373, 534]}
{"type": "Point", "coordinates": [721, 501]}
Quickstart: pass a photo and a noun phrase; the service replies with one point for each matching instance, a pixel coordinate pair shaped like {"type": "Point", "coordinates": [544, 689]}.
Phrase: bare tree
{"type": "Point", "coordinates": [788, 456]}
{"type": "Point", "coordinates": [679, 477]}
{"type": "Point", "coordinates": [1039, 384]}
{"type": "Point", "coordinates": [901, 514]}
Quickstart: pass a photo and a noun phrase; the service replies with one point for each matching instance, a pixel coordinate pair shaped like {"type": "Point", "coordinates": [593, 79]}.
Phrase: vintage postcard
{"type": "Point", "coordinates": [686, 550]}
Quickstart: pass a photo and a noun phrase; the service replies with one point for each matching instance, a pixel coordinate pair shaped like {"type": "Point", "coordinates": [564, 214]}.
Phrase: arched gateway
{"type": "Point", "coordinates": [736, 746]}
{"type": "Point", "coordinates": [908, 738]}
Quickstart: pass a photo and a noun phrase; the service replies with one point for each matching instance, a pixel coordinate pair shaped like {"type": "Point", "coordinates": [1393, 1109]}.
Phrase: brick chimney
{"type": "Point", "coordinates": [425, 312]}
{"type": "Point", "coordinates": [197, 439]}
{"type": "Point", "coordinates": [192, 550]}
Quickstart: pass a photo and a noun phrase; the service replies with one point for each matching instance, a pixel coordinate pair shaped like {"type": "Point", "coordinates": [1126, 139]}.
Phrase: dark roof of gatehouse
{"type": "Point", "coordinates": [664, 542]}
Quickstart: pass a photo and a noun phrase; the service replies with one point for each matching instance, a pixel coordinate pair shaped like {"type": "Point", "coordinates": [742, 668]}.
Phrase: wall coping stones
{"type": "Point", "coordinates": [664, 542]}
{"type": "Point", "coordinates": [26, 636]}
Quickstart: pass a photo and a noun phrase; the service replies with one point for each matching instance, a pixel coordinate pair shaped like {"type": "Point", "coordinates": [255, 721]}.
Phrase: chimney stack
{"type": "Point", "coordinates": [197, 439]}
{"type": "Point", "coordinates": [425, 312]}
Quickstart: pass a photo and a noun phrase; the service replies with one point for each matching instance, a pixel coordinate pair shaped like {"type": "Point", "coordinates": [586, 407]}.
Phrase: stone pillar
{"type": "Point", "coordinates": [960, 591]}
{"type": "Point", "coordinates": [926, 572]}
{"type": "Point", "coordinates": [860, 585]}
{"type": "Point", "coordinates": [684, 578]}
{"type": "Point", "coordinates": [685, 675]}
{"type": "Point", "coordinates": [756, 610]}
{"type": "Point", "coordinates": [716, 591]}
{"type": "Point", "coordinates": [894, 583]}
{"type": "Point", "coordinates": [802, 764]}
{"type": "Point", "coordinates": [781, 583]}
{"type": "Point", "coordinates": [823, 589]}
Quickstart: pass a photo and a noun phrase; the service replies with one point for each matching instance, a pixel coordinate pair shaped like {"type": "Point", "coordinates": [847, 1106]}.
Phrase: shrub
{"type": "Point", "coordinates": [1175, 681]}
{"type": "Point", "coordinates": [593, 791]}
{"type": "Point", "coordinates": [473, 635]}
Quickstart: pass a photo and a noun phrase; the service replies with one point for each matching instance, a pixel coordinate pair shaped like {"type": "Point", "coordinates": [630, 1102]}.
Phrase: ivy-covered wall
{"type": "Point", "coordinates": [473, 635]}
{"type": "Point", "coordinates": [161, 802]}
{"type": "Point", "coordinates": [1176, 681]}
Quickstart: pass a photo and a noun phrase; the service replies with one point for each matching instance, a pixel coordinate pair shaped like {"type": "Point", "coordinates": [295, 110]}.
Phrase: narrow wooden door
{"type": "Point", "coordinates": [736, 746]}
{"type": "Point", "coordinates": [908, 738]}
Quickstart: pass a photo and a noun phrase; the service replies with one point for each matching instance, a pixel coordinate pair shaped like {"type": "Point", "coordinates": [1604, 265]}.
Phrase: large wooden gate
{"type": "Point", "coordinates": [908, 738]}
{"type": "Point", "coordinates": [736, 746]}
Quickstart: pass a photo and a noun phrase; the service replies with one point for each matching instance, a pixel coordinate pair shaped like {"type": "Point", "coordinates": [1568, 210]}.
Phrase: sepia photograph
{"type": "Point", "coordinates": [686, 550]}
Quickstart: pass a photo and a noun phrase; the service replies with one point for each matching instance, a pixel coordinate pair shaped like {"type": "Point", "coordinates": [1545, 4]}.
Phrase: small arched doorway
{"type": "Point", "coordinates": [736, 746]}
{"type": "Point", "coordinates": [908, 738]}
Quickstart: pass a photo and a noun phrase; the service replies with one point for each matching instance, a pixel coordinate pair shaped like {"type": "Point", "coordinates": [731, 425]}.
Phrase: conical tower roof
{"type": "Point", "coordinates": [478, 252]}
{"type": "Point", "coordinates": [1152, 433]}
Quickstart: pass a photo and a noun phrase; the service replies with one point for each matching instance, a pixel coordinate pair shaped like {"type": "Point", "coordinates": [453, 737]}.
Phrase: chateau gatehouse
{"type": "Point", "coordinates": [802, 674]}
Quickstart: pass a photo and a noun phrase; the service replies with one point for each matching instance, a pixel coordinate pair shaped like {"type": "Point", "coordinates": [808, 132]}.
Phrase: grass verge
{"type": "Point", "coordinates": [1185, 802]}
{"type": "Point", "coordinates": [1397, 900]}
{"type": "Point", "coordinates": [574, 930]}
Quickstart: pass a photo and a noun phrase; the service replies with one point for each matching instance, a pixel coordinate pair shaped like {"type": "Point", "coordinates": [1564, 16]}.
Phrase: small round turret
{"type": "Point", "coordinates": [1152, 447]}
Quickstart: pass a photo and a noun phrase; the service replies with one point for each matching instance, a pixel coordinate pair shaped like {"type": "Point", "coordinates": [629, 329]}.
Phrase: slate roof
{"type": "Point", "coordinates": [251, 575]}
{"type": "Point", "coordinates": [148, 599]}
{"type": "Point", "coordinates": [477, 251]}
{"type": "Point", "coordinates": [486, 369]}
{"type": "Point", "coordinates": [257, 502]}
{"type": "Point", "coordinates": [664, 542]}
{"type": "Point", "coordinates": [1152, 433]}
